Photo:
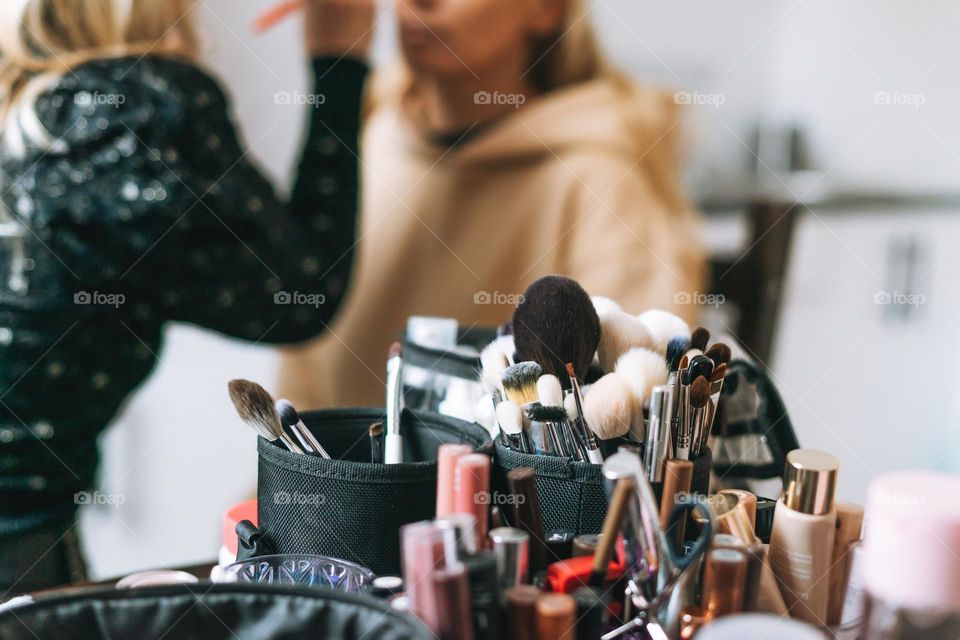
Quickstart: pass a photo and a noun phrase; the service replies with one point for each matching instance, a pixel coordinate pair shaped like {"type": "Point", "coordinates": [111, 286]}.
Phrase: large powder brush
{"type": "Point", "coordinates": [556, 323]}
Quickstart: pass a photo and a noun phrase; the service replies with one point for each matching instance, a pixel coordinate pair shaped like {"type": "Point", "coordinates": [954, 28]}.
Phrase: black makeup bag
{"type": "Point", "coordinates": [348, 507]}
{"type": "Point", "coordinates": [571, 493]}
{"type": "Point", "coordinates": [211, 612]}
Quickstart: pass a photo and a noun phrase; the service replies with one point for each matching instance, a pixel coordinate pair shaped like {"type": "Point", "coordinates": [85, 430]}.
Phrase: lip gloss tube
{"type": "Point", "coordinates": [447, 456]}
{"type": "Point", "coordinates": [424, 546]}
{"type": "Point", "coordinates": [472, 492]}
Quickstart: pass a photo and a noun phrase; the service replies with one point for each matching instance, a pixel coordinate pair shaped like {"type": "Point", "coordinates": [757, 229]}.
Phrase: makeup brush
{"type": "Point", "coordinates": [700, 365]}
{"type": "Point", "coordinates": [644, 369]}
{"type": "Point", "coordinates": [494, 359]}
{"type": "Point", "coordinates": [719, 353]}
{"type": "Point", "coordinates": [520, 382]}
{"type": "Point", "coordinates": [570, 404]}
{"type": "Point", "coordinates": [393, 441]}
{"type": "Point", "coordinates": [676, 348]}
{"type": "Point", "coordinates": [677, 480]}
{"type": "Point", "coordinates": [550, 391]}
{"type": "Point", "coordinates": [510, 420]}
{"type": "Point", "coordinates": [719, 372]}
{"type": "Point", "coordinates": [578, 419]}
{"type": "Point", "coordinates": [548, 430]}
{"type": "Point", "coordinates": [604, 305]}
{"type": "Point", "coordinates": [555, 324]}
{"type": "Point", "coordinates": [664, 326]}
{"type": "Point", "coordinates": [620, 332]}
{"type": "Point", "coordinates": [699, 339]}
{"type": "Point", "coordinates": [700, 431]}
{"type": "Point", "coordinates": [291, 419]}
{"type": "Point", "coordinates": [622, 495]}
{"type": "Point", "coordinates": [375, 432]}
{"type": "Point", "coordinates": [610, 406]}
{"type": "Point", "coordinates": [657, 447]}
{"type": "Point", "coordinates": [271, 17]}
{"type": "Point", "coordinates": [255, 407]}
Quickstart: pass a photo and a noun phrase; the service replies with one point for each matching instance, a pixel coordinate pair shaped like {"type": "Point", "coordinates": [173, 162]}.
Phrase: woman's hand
{"type": "Point", "coordinates": [339, 27]}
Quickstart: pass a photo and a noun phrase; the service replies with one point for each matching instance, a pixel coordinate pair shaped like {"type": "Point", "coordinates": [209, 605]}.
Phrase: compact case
{"type": "Point", "coordinates": [349, 507]}
{"type": "Point", "coordinates": [209, 611]}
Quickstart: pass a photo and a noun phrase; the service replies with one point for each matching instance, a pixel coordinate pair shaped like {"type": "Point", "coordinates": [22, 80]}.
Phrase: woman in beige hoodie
{"type": "Point", "coordinates": [505, 149]}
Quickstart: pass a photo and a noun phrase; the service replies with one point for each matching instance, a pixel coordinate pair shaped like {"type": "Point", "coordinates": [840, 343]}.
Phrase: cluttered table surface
{"type": "Point", "coordinates": [599, 479]}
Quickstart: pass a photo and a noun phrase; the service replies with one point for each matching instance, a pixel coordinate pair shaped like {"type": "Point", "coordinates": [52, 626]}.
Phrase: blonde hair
{"type": "Point", "coordinates": [42, 40]}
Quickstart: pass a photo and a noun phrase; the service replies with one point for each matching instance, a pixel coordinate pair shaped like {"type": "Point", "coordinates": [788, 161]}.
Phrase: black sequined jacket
{"type": "Point", "coordinates": [142, 207]}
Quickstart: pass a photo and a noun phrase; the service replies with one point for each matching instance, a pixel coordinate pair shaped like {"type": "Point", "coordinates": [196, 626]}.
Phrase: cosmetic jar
{"type": "Point", "coordinates": [911, 559]}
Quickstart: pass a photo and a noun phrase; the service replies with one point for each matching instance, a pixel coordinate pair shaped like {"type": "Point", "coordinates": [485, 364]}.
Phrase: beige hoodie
{"type": "Point", "coordinates": [562, 185]}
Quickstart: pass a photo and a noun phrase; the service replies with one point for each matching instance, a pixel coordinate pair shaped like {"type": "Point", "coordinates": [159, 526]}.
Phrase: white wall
{"type": "Point", "coordinates": [832, 57]}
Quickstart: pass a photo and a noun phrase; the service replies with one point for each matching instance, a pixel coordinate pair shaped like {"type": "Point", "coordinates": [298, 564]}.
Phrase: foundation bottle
{"type": "Point", "coordinates": [801, 544]}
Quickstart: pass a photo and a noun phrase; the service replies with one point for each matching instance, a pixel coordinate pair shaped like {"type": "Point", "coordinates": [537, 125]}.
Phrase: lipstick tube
{"type": "Point", "coordinates": [472, 492]}
{"type": "Point", "coordinates": [447, 456]}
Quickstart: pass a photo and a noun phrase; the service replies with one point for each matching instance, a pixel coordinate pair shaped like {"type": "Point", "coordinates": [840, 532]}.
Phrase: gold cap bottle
{"type": "Point", "coordinates": [810, 481]}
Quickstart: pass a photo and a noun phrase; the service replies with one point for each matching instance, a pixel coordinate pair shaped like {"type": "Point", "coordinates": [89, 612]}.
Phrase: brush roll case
{"type": "Point", "coordinates": [445, 380]}
{"type": "Point", "coordinates": [571, 493]}
{"type": "Point", "coordinates": [209, 611]}
{"type": "Point", "coordinates": [348, 507]}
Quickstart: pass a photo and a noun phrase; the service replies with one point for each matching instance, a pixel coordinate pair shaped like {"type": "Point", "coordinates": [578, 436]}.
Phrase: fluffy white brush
{"type": "Point", "coordinates": [509, 418]}
{"type": "Point", "coordinates": [604, 305]}
{"type": "Point", "coordinates": [610, 407]}
{"type": "Point", "coordinates": [644, 369]}
{"type": "Point", "coordinates": [663, 325]}
{"type": "Point", "coordinates": [620, 332]}
{"type": "Point", "coordinates": [495, 358]}
{"type": "Point", "coordinates": [549, 391]}
{"type": "Point", "coordinates": [570, 404]}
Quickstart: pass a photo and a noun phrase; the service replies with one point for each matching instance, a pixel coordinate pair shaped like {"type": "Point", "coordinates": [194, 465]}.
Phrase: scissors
{"type": "Point", "coordinates": [648, 590]}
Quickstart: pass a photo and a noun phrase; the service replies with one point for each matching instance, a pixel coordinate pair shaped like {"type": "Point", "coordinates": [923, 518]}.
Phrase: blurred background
{"type": "Point", "coordinates": [821, 145]}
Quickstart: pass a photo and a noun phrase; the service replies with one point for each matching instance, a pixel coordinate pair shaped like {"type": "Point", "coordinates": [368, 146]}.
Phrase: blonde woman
{"type": "Point", "coordinates": [506, 150]}
{"type": "Point", "coordinates": [129, 202]}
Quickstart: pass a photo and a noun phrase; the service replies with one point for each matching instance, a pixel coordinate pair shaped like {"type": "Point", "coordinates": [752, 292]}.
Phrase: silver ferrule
{"type": "Point", "coordinates": [657, 445]}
